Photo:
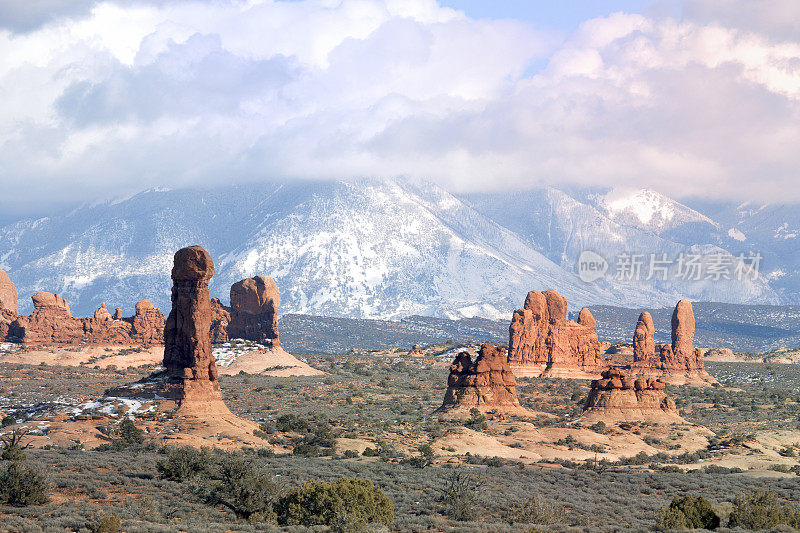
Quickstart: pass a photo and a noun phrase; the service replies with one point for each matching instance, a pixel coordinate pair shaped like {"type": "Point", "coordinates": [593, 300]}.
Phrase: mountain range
{"type": "Point", "coordinates": [390, 249]}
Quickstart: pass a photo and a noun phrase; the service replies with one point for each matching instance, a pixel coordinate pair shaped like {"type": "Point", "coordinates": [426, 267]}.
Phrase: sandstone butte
{"type": "Point", "coordinates": [679, 362]}
{"type": "Point", "coordinates": [253, 314]}
{"type": "Point", "coordinates": [487, 383]}
{"type": "Point", "coordinates": [617, 397]}
{"type": "Point", "coordinates": [542, 342]}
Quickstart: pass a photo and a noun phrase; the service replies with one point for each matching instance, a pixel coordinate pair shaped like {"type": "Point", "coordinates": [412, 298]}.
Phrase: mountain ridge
{"type": "Point", "coordinates": [388, 249]}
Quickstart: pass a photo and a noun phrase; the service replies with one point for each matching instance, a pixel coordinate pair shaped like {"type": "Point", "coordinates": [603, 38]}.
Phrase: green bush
{"type": "Point", "coordinates": [22, 484]}
{"type": "Point", "coordinates": [477, 420]}
{"type": "Point", "coordinates": [129, 433]}
{"type": "Point", "coordinates": [688, 512]}
{"type": "Point", "coordinates": [758, 510]}
{"type": "Point", "coordinates": [183, 463]}
{"type": "Point", "coordinates": [242, 485]}
{"type": "Point", "coordinates": [345, 505]}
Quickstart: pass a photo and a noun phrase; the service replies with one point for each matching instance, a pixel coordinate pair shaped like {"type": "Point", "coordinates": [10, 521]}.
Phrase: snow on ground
{"type": "Point", "coordinates": [227, 353]}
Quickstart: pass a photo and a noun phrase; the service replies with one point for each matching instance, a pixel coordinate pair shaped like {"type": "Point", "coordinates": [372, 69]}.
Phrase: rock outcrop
{"type": "Point", "coordinates": [254, 310]}
{"type": "Point", "coordinates": [487, 383]}
{"type": "Point", "coordinates": [677, 363]}
{"type": "Point", "coordinates": [644, 346]}
{"type": "Point", "coordinates": [416, 351]}
{"type": "Point", "coordinates": [542, 342]}
{"type": "Point", "coordinates": [187, 341]}
{"type": "Point", "coordinates": [53, 323]}
{"type": "Point", "coordinates": [617, 396]}
{"type": "Point", "coordinates": [9, 303]}
{"type": "Point", "coordinates": [220, 318]}
{"type": "Point", "coordinates": [189, 379]}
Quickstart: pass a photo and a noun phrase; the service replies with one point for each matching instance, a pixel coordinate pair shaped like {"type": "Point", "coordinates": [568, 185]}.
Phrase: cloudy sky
{"type": "Point", "coordinates": [690, 97]}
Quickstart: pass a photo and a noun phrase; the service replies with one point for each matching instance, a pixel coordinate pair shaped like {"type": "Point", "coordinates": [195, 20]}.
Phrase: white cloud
{"type": "Point", "coordinates": [136, 94]}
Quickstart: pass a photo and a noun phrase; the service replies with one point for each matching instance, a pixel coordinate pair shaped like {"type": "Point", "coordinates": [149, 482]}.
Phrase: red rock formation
{"type": "Point", "coordinates": [676, 363]}
{"type": "Point", "coordinates": [644, 346]}
{"type": "Point", "coordinates": [220, 318]}
{"type": "Point", "coordinates": [102, 313]}
{"type": "Point", "coordinates": [51, 322]}
{"type": "Point", "coordinates": [9, 304]}
{"type": "Point", "coordinates": [416, 351]}
{"type": "Point", "coordinates": [487, 383]}
{"type": "Point", "coordinates": [616, 394]}
{"type": "Point", "coordinates": [543, 342]}
{"type": "Point", "coordinates": [187, 342]}
{"type": "Point", "coordinates": [254, 310]}
{"type": "Point", "coordinates": [148, 324]}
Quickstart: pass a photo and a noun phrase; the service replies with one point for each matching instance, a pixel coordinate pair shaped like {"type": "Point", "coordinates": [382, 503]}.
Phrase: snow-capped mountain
{"type": "Point", "coordinates": [372, 249]}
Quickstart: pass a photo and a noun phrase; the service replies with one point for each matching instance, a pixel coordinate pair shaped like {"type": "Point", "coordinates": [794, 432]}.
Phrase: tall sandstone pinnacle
{"type": "Point", "coordinates": [644, 345]}
{"type": "Point", "coordinates": [487, 383]}
{"type": "Point", "coordinates": [254, 310]}
{"type": "Point", "coordinates": [187, 341]}
{"type": "Point", "coordinates": [679, 362]}
{"type": "Point", "coordinates": [542, 342]}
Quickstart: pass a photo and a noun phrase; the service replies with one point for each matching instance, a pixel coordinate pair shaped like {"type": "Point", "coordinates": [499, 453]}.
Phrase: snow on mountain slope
{"type": "Point", "coordinates": [562, 225]}
{"type": "Point", "coordinates": [392, 250]}
{"type": "Point", "coordinates": [357, 249]}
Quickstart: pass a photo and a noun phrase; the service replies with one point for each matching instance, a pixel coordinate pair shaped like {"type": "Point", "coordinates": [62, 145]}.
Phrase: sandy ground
{"type": "Point", "coordinates": [272, 362]}
{"type": "Point", "coordinates": [101, 356]}
{"type": "Point", "coordinates": [525, 442]}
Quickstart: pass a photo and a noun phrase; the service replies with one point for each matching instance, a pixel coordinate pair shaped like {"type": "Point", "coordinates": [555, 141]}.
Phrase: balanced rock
{"type": "Point", "coordinates": [254, 310]}
{"type": "Point", "coordinates": [644, 346]}
{"type": "Point", "coordinates": [615, 395]}
{"type": "Point", "coordinates": [543, 342]}
{"type": "Point", "coordinates": [487, 383]}
{"type": "Point", "coordinates": [187, 342]}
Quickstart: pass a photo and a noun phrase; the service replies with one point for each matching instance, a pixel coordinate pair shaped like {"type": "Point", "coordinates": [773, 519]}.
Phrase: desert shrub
{"type": "Point", "coordinates": [477, 420]}
{"type": "Point", "coordinates": [183, 463]}
{"type": "Point", "coordinates": [350, 454]}
{"type": "Point", "coordinates": [600, 427]}
{"type": "Point", "coordinates": [369, 452]}
{"type": "Point", "coordinates": [537, 511]}
{"type": "Point", "coordinates": [107, 523]}
{"type": "Point", "coordinates": [758, 510]}
{"type": "Point", "coordinates": [22, 484]}
{"type": "Point", "coordinates": [688, 512]}
{"type": "Point", "coordinates": [12, 446]}
{"type": "Point", "coordinates": [459, 496]}
{"type": "Point", "coordinates": [346, 504]}
{"type": "Point", "coordinates": [8, 420]}
{"type": "Point", "coordinates": [242, 485]}
{"type": "Point", "coordinates": [128, 435]}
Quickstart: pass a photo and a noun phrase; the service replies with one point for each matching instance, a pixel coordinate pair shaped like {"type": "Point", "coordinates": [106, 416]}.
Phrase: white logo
{"type": "Point", "coordinates": [591, 266]}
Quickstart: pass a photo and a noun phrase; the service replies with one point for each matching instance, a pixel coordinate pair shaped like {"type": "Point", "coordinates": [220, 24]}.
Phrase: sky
{"type": "Point", "coordinates": [693, 98]}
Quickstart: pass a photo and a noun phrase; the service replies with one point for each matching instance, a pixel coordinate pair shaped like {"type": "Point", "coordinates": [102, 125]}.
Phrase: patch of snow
{"type": "Point", "coordinates": [735, 234]}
